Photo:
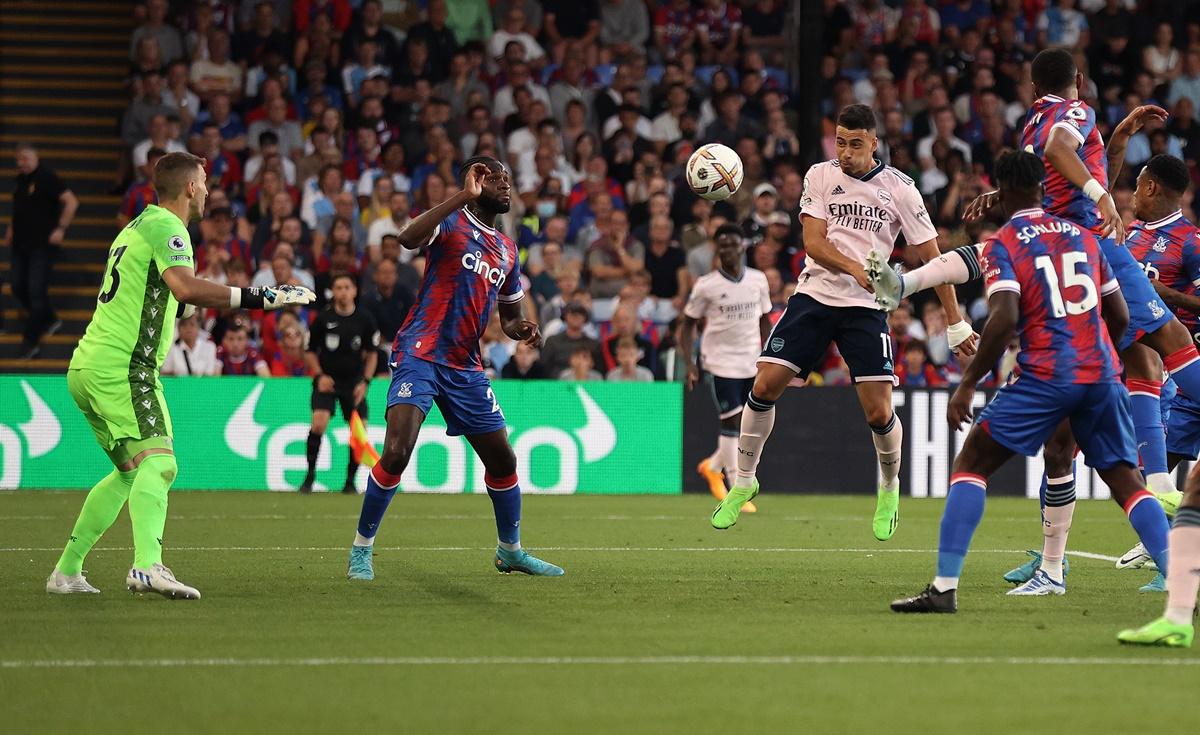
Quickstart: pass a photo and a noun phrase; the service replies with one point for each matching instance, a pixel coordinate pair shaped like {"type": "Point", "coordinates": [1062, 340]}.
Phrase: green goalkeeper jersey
{"type": "Point", "coordinates": [134, 322]}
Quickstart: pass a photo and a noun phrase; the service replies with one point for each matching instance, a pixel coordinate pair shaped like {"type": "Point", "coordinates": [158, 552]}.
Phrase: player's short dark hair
{"type": "Point", "coordinates": [1170, 172]}
{"type": "Point", "coordinates": [267, 137]}
{"type": "Point", "coordinates": [172, 173]}
{"type": "Point", "coordinates": [1019, 171]}
{"type": "Point", "coordinates": [856, 117]}
{"type": "Point", "coordinates": [488, 161]}
{"type": "Point", "coordinates": [1054, 70]}
{"type": "Point", "coordinates": [338, 275]}
{"type": "Point", "coordinates": [729, 229]}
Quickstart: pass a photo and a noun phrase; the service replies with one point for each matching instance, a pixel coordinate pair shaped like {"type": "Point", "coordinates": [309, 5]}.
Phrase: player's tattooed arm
{"type": "Point", "coordinates": [1177, 299]}
{"type": "Point", "coordinates": [818, 247]}
{"type": "Point", "coordinates": [516, 326]}
{"type": "Point", "coordinates": [420, 229]}
{"type": "Point", "coordinates": [1062, 152]}
{"type": "Point", "coordinates": [1003, 313]}
{"type": "Point", "coordinates": [1125, 130]}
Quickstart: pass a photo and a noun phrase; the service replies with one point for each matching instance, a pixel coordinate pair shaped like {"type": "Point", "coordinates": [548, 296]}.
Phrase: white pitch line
{"type": "Point", "coordinates": [417, 661]}
{"type": "Point", "coordinates": [596, 549]}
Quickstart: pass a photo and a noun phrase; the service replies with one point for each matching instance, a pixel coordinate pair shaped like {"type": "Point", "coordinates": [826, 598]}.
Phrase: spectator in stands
{"type": "Point", "coordinates": [337, 12]}
{"type": "Point", "coordinates": [42, 209]}
{"type": "Point", "coordinates": [627, 368]}
{"type": "Point", "coordinates": [612, 258]}
{"type": "Point", "coordinates": [571, 22]}
{"type": "Point", "coordinates": [141, 193]}
{"type": "Point", "coordinates": [193, 352]}
{"type": "Point", "coordinates": [916, 371]}
{"type": "Point", "coordinates": [439, 37]}
{"type": "Point", "coordinates": [135, 123]}
{"type": "Point", "coordinates": [282, 270]}
{"type": "Point", "coordinates": [557, 351]}
{"type": "Point", "coordinates": [236, 355]}
{"type": "Point", "coordinates": [388, 302]}
{"type": "Point", "coordinates": [218, 74]}
{"type": "Point", "coordinates": [158, 136]}
{"type": "Point", "coordinates": [667, 265]}
{"type": "Point", "coordinates": [319, 195]}
{"type": "Point", "coordinates": [581, 366]}
{"type": "Point", "coordinates": [267, 147]}
{"type": "Point", "coordinates": [289, 142]}
{"type": "Point", "coordinates": [470, 20]}
{"type": "Point", "coordinates": [221, 165]}
{"type": "Point", "coordinates": [370, 28]}
{"type": "Point", "coordinates": [626, 325]}
{"type": "Point", "coordinates": [524, 364]}
{"type": "Point", "coordinates": [229, 123]}
{"type": "Point", "coordinates": [513, 30]}
{"type": "Point", "coordinates": [169, 41]}
{"type": "Point", "coordinates": [288, 358]}
{"type": "Point", "coordinates": [399, 206]}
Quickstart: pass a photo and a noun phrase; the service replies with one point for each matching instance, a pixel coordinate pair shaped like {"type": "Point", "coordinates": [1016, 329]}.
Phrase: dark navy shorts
{"type": "Point", "coordinates": [730, 394]}
{"type": "Point", "coordinates": [1147, 312]}
{"type": "Point", "coordinates": [464, 397]}
{"type": "Point", "coordinates": [802, 336]}
{"type": "Point", "coordinates": [1181, 416]}
{"type": "Point", "coordinates": [1025, 413]}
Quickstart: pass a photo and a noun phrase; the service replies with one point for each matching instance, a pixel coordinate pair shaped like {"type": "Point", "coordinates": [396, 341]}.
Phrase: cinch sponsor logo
{"type": "Point", "coordinates": [475, 263]}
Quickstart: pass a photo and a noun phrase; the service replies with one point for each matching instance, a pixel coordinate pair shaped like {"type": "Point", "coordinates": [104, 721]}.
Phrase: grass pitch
{"type": "Point", "coordinates": [661, 625]}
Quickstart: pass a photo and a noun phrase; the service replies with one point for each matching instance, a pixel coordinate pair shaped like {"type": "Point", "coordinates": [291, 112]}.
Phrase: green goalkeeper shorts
{"type": "Point", "coordinates": [126, 411]}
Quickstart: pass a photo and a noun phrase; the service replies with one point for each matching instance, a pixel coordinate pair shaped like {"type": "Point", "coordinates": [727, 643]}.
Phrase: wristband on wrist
{"type": "Point", "coordinates": [246, 298]}
{"type": "Point", "coordinates": [1094, 190]}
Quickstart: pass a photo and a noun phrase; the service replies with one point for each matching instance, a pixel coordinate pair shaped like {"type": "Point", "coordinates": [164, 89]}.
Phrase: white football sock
{"type": "Point", "coordinates": [953, 267]}
{"type": "Point", "coordinates": [361, 540]}
{"type": "Point", "coordinates": [889, 440]}
{"type": "Point", "coordinates": [1160, 483]}
{"type": "Point", "coordinates": [756, 428]}
{"type": "Point", "coordinates": [945, 584]}
{"type": "Point", "coordinates": [727, 454]}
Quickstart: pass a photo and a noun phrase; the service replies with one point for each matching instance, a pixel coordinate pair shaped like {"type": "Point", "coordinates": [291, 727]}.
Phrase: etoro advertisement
{"type": "Point", "coordinates": [240, 433]}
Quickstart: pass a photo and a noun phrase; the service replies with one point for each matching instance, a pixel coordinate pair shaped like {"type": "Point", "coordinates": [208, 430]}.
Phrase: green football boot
{"type": "Point", "coordinates": [1169, 501]}
{"type": "Point", "coordinates": [1161, 632]}
{"type": "Point", "coordinates": [887, 514]}
{"type": "Point", "coordinates": [730, 508]}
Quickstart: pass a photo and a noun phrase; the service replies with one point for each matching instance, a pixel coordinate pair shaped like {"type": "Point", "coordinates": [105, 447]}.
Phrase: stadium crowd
{"type": "Point", "coordinates": [328, 124]}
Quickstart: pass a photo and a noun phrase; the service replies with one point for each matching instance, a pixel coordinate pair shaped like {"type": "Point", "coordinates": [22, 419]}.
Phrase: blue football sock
{"type": "Point", "coordinates": [964, 510]}
{"type": "Point", "coordinates": [506, 503]}
{"type": "Point", "coordinates": [1148, 424]}
{"type": "Point", "coordinates": [1150, 522]}
{"type": "Point", "coordinates": [381, 487]}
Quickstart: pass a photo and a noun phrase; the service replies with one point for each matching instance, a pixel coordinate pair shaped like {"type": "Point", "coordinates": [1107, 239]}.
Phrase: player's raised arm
{"type": "Point", "coordinates": [421, 230]}
{"type": "Point", "coordinates": [1125, 130]}
{"type": "Point", "coordinates": [818, 247]}
{"type": "Point", "coordinates": [1062, 153]}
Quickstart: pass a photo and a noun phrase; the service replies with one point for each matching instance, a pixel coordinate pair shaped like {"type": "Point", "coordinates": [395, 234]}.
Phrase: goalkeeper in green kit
{"type": "Point", "coordinates": [113, 375]}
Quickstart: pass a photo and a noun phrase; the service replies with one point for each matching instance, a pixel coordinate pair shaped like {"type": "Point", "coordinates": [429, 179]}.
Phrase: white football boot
{"type": "Point", "coordinates": [160, 580]}
{"type": "Point", "coordinates": [1136, 558]}
{"type": "Point", "coordinates": [61, 584]}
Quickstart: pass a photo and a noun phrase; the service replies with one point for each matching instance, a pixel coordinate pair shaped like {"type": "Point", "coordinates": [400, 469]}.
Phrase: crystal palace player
{"type": "Point", "coordinates": [435, 358]}
{"type": "Point", "coordinates": [1062, 129]}
{"type": "Point", "coordinates": [1045, 278]}
{"type": "Point", "coordinates": [852, 206]}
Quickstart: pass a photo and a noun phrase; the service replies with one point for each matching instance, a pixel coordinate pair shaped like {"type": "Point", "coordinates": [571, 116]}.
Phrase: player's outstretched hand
{"type": "Point", "coordinates": [1136, 119]}
{"type": "Point", "coordinates": [980, 206]}
{"type": "Point", "coordinates": [693, 376]}
{"type": "Point", "coordinates": [1114, 227]}
{"type": "Point", "coordinates": [527, 332]}
{"type": "Point", "coordinates": [473, 181]}
{"type": "Point", "coordinates": [281, 296]}
{"type": "Point", "coordinates": [959, 410]}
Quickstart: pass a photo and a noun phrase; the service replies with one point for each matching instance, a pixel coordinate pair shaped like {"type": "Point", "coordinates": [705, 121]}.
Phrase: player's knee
{"type": "Point", "coordinates": [396, 454]}
{"type": "Point", "coordinates": [768, 386]}
{"type": "Point", "coordinates": [878, 416]}
{"type": "Point", "coordinates": [504, 464]}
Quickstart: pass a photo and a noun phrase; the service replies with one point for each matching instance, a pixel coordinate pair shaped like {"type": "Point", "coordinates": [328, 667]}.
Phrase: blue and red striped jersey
{"type": "Point", "coordinates": [1064, 199]}
{"type": "Point", "coordinates": [1060, 274]}
{"type": "Point", "coordinates": [469, 267]}
{"type": "Point", "coordinates": [1169, 251]}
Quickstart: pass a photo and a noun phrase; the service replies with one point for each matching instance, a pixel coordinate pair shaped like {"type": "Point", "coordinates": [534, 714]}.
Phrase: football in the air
{"type": "Point", "coordinates": [714, 172]}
